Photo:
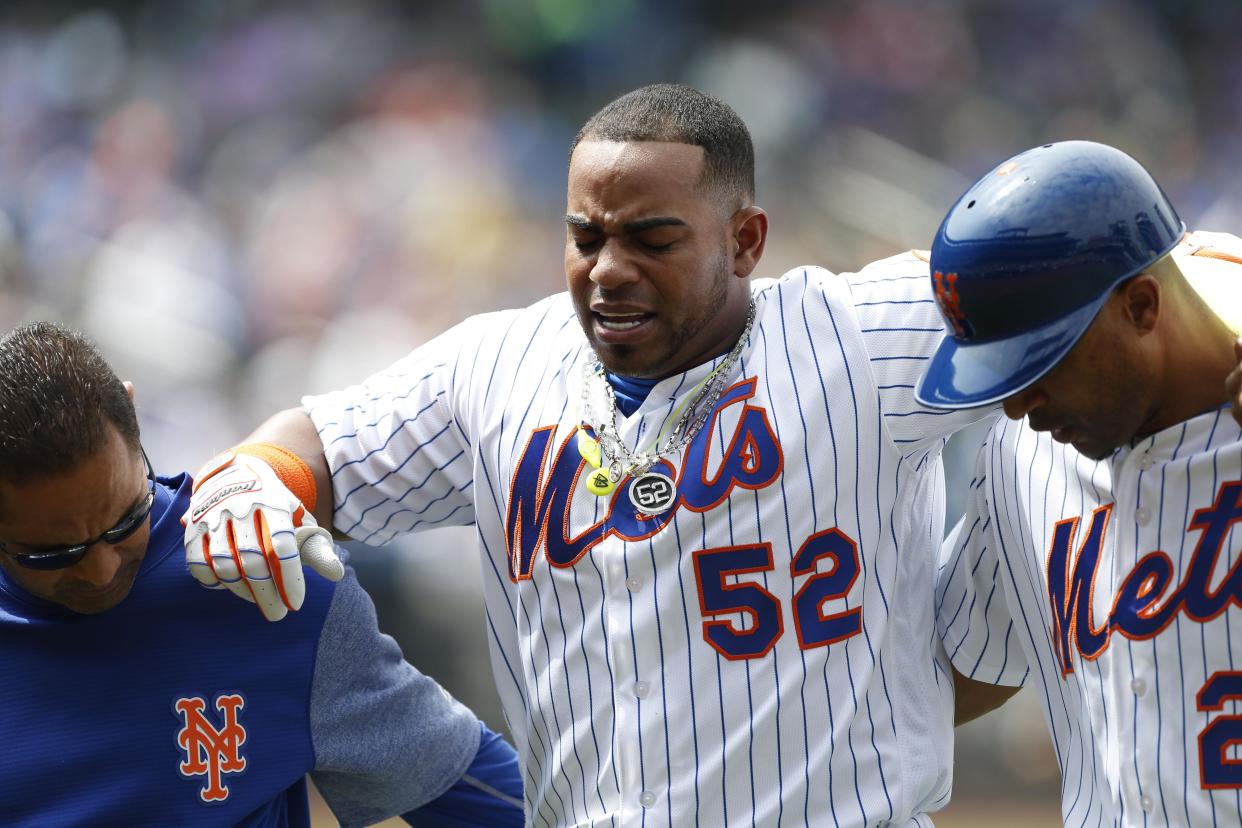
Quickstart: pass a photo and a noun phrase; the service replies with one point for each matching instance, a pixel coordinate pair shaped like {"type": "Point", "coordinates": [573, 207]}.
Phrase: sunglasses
{"type": "Point", "coordinates": [66, 556]}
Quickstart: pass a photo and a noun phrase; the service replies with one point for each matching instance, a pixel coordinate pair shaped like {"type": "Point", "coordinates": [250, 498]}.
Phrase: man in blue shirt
{"type": "Point", "coordinates": [110, 718]}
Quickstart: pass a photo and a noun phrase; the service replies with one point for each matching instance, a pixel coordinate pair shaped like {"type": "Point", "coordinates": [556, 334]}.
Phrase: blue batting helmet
{"type": "Point", "coordinates": [1025, 259]}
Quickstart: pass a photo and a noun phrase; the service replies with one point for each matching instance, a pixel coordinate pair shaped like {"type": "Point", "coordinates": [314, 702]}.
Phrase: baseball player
{"type": "Point", "coordinates": [131, 700]}
{"type": "Point", "coordinates": [707, 508]}
{"type": "Point", "coordinates": [1098, 559]}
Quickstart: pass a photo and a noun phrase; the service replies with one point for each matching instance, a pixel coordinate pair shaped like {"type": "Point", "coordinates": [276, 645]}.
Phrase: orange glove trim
{"type": "Point", "coordinates": [269, 554]}
{"type": "Point", "coordinates": [291, 469]}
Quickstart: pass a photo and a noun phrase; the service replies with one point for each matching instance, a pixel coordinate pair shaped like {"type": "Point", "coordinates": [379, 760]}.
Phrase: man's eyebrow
{"type": "Point", "coordinates": [580, 223]}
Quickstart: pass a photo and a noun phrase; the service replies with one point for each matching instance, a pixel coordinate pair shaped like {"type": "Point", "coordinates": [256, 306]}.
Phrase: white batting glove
{"type": "Point", "coordinates": [245, 531]}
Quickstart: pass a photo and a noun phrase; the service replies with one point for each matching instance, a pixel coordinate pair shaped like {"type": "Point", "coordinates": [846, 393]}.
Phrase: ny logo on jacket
{"type": "Point", "coordinates": [211, 751]}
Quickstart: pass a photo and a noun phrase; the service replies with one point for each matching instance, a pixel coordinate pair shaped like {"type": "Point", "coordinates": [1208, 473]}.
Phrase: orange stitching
{"type": "Point", "coordinates": [1213, 253]}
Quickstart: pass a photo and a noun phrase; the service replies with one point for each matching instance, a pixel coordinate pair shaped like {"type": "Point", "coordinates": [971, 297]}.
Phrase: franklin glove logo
{"type": "Point", "coordinates": [220, 495]}
{"type": "Point", "coordinates": [209, 751]}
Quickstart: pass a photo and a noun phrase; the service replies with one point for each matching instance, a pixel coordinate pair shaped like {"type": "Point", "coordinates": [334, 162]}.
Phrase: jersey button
{"type": "Point", "coordinates": [1146, 462]}
{"type": "Point", "coordinates": [641, 689]}
{"type": "Point", "coordinates": [634, 584]}
{"type": "Point", "coordinates": [1138, 686]}
{"type": "Point", "coordinates": [1145, 803]}
{"type": "Point", "coordinates": [1142, 515]}
{"type": "Point", "coordinates": [647, 798]}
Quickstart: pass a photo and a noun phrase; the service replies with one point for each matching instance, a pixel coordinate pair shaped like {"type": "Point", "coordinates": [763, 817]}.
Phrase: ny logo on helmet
{"type": "Point", "coordinates": [950, 302]}
{"type": "Point", "coordinates": [211, 751]}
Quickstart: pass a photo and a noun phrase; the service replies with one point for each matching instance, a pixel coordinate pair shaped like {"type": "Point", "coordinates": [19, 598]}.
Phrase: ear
{"type": "Point", "coordinates": [129, 389]}
{"type": "Point", "coordinates": [748, 234]}
{"type": "Point", "coordinates": [1141, 303]}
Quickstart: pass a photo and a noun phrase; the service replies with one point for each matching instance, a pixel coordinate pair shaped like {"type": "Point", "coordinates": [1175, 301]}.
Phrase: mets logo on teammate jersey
{"type": "Point", "coordinates": [211, 751]}
{"type": "Point", "coordinates": [1144, 604]}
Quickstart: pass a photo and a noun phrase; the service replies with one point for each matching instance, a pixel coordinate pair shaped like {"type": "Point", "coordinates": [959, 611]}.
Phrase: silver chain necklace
{"type": "Point", "coordinates": [651, 492]}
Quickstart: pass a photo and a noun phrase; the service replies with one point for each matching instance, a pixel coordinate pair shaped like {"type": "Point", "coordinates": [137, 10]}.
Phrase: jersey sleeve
{"type": "Point", "coordinates": [489, 793]}
{"type": "Point", "coordinates": [387, 739]}
{"type": "Point", "coordinates": [398, 452]}
{"type": "Point", "coordinates": [972, 614]}
{"type": "Point", "coordinates": [901, 329]}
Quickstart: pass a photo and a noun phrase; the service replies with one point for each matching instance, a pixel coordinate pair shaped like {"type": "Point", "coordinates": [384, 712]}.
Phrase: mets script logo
{"type": "Point", "coordinates": [1144, 604]}
{"type": "Point", "coordinates": [211, 751]}
{"type": "Point", "coordinates": [950, 302]}
{"type": "Point", "coordinates": [538, 515]}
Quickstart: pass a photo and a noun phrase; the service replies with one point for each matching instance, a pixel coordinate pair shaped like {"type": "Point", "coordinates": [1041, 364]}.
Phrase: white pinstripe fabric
{"type": "Point", "coordinates": [1124, 722]}
{"type": "Point", "coordinates": [1119, 692]}
{"type": "Point", "coordinates": [623, 709]}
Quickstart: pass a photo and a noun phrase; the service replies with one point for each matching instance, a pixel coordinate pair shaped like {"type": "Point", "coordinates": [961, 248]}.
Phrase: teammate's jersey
{"type": "Point", "coordinates": [762, 652]}
{"type": "Point", "coordinates": [1113, 588]}
{"type": "Point", "coordinates": [182, 707]}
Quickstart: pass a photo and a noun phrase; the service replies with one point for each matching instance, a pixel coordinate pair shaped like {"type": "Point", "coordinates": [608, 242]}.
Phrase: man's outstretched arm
{"type": "Point", "coordinates": [395, 445]}
{"type": "Point", "coordinates": [293, 430]}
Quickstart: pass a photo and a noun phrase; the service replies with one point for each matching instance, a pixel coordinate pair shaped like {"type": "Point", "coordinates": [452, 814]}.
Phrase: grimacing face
{"type": "Point", "coordinates": [1098, 398]}
{"type": "Point", "coordinates": [69, 508]}
{"type": "Point", "coordinates": [649, 258]}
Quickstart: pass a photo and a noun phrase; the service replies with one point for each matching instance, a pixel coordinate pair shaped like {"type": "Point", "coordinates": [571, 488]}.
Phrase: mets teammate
{"type": "Point", "coordinates": [708, 509]}
{"type": "Point", "coordinates": [1098, 560]}
{"type": "Point", "coordinates": [130, 700]}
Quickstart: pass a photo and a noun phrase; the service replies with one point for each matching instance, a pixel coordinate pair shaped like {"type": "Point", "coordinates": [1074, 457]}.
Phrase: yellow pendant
{"type": "Point", "coordinates": [590, 450]}
{"type": "Point", "coordinates": [599, 483]}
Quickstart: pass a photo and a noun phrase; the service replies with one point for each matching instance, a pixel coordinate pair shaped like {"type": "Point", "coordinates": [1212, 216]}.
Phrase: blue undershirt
{"type": "Point", "coordinates": [629, 391]}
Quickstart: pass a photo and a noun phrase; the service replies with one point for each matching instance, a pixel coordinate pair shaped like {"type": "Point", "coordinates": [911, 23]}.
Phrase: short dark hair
{"type": "Point", "coordinates": [57, 393]}
{"type": "Point", "coordinates": [682, 114]}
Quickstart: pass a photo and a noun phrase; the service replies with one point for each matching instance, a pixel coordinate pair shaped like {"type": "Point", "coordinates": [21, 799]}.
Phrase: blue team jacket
{"type": "Point", "coordinates": [180, 706]}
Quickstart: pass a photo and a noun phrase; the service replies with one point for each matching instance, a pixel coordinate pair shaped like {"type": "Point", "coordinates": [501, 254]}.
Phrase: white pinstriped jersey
{"type": "Point", "coordinates": [762, 653]}
{"type": "Point", "coordinates": [1116, 584]}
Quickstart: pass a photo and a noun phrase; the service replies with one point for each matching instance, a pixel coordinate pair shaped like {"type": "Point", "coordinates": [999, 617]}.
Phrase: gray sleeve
{"type": "Point", "coordinates": [387, 739]}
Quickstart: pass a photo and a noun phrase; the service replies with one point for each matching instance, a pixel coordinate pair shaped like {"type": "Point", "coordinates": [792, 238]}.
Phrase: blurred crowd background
{"type": "Point", "coordinates": [242, 202]}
